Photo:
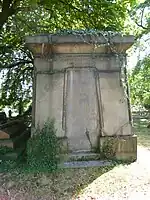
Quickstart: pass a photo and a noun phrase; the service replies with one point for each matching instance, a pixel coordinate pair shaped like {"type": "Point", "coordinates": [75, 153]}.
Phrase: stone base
{"type": "Point", "coordinates": [83, 156]}
{"type": "Point", "coordinates": [6, 143]}
{"type": "Point", "coordinates": [119, 147]}
{"type": "Point", "coordinates": [85, 164]}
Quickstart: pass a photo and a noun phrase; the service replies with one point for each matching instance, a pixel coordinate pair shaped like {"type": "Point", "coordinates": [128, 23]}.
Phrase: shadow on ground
{"type": "Point", "coordinates": [64, 184]}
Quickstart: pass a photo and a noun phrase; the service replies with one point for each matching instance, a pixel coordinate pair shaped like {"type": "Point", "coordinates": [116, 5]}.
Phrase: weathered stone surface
{"type": "Point", "coordinates": [4, 135]}
{"type": "Point", "coordinates": [84, 164]}
{"type": "Point", "coordinates": [73, 39]}
{"type": "Point", "coordinates": [120, 147]}
{"type": "Point", "coordinates": [6, 143]}
{"type": "Point", "coordinates": [83, 156]}
{"type": "Point", "coordinates": [114, 106]}
{"type": "Point", "coordinates": [14, 127]}
{"type": "Point", "coordinates": [80, 86]}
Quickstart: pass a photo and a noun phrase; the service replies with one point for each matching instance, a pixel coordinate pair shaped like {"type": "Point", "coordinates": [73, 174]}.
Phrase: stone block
{"type": "Point", "coordinates": [4, 135]}
{"type": "Point", "coordinates": [120, 147]}
{"type": "Point", "coordinates": [83, 156]}
{"type": "Point", "coordinates": [14, 127]}
{"type": "Point", "coordinates": [6, 143]}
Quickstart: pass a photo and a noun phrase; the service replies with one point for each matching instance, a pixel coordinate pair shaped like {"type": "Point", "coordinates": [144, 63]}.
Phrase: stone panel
{"type": "Point", "coordinates": [114, 106]}
{"type": "Point", "coordinates": [43, 98]}
{"type": "Point", "coordinates": [108, 62]}
{"type": "Point", "coordinates": [49, 100]}
{"type": "Point", "coordinates": [43, 64]}
{"type": "Point", "coordinates": [65, 61]}
{"type": "Point", "coordinates": [82, 109]}
{"type": "Point", "coordinates": [57, 101]}
{"type": "Point", "coordinates": [99, 61]}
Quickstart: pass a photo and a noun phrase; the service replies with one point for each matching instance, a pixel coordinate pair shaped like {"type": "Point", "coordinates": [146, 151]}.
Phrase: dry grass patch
{"type": "Point", "coordinates": [142, 132]}
{"type": "Point", "coordinates": [64, 184]}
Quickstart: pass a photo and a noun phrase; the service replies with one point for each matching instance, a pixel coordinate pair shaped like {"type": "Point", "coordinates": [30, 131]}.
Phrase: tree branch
{"type": "Point", "coordinates": [6, 5]}
{"type": "Point", "coordinates": [71, 6]}
{"type": "Point", "coordinates": [141, 25]}
{"type": "Point", "coordinates": [142, 16]}
{"type": "Point", "coordinates": [15, 4]}
{"type": "Point", "coordinates": [66, 4]}
{"type": "Point", "coordinates": [8, 9]}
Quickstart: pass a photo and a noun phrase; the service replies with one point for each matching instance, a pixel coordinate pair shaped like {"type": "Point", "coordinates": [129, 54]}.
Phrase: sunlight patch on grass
{"type": "Point", "coordinates": [142, 132]}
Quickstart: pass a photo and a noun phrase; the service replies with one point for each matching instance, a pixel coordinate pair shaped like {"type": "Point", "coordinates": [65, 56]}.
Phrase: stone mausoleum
{"type": "Point", "coordinates": [79, 80]}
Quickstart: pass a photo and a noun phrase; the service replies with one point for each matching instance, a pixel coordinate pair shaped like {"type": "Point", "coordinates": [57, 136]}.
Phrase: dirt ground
{"type": "Point", "coordinates": [105, 183]}
{"type": "Point", "coordinates": [63, 185]}
{"type": "Point", "coordinates": [110, 183]}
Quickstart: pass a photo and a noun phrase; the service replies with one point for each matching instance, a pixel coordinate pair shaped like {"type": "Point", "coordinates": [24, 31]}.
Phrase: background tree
{"type": "Point", "coordinates": [140, 75]}
{"type": "Point", "coordinates": [19, 18]}
{"type": "Point", "coordinates": [140, 15]}
{"type": "Point", "coordinates": [139, 81]}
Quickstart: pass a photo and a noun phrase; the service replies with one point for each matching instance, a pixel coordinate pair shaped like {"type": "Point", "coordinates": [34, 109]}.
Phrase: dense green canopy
{"type": "Point", "coordinates": [140, 83]}
{"type": "Point", "coordinates": [19, 18]}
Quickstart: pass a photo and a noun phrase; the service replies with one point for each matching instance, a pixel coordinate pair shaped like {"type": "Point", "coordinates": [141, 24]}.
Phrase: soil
{"type": "Point", "coordinates": [105, 183]}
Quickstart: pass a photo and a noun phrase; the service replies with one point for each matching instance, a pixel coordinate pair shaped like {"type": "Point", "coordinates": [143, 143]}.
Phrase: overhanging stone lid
{"type": "Point", "coordinates": [88, 38]}
{"type": "Point", "coordinates": [79, 43]}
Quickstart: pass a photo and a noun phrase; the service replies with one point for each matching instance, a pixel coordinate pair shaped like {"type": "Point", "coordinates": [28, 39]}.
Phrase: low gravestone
{"type": "Point", "coordinates": [14, 135]}
{"type": "Point", "coordinates": [4, 135]}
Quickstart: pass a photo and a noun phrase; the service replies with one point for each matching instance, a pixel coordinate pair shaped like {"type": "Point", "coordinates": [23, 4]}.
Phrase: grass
{"type": "Point", "coordinates": [142, 132]}
{"type": "Point", "coordinates": [64, 184]}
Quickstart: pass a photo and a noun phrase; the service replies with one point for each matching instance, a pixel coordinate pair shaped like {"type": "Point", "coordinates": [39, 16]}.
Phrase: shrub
{"type": "Point", "coordinates": [108, 149]}
{"type": "Point", "coordinates": [43, 148]}
{"type": "Point", "coordinates": [4, 150]}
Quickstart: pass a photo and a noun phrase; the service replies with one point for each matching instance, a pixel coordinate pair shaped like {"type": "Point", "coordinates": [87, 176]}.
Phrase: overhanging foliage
{"type": "Point", "coordinates": [19, 18]}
